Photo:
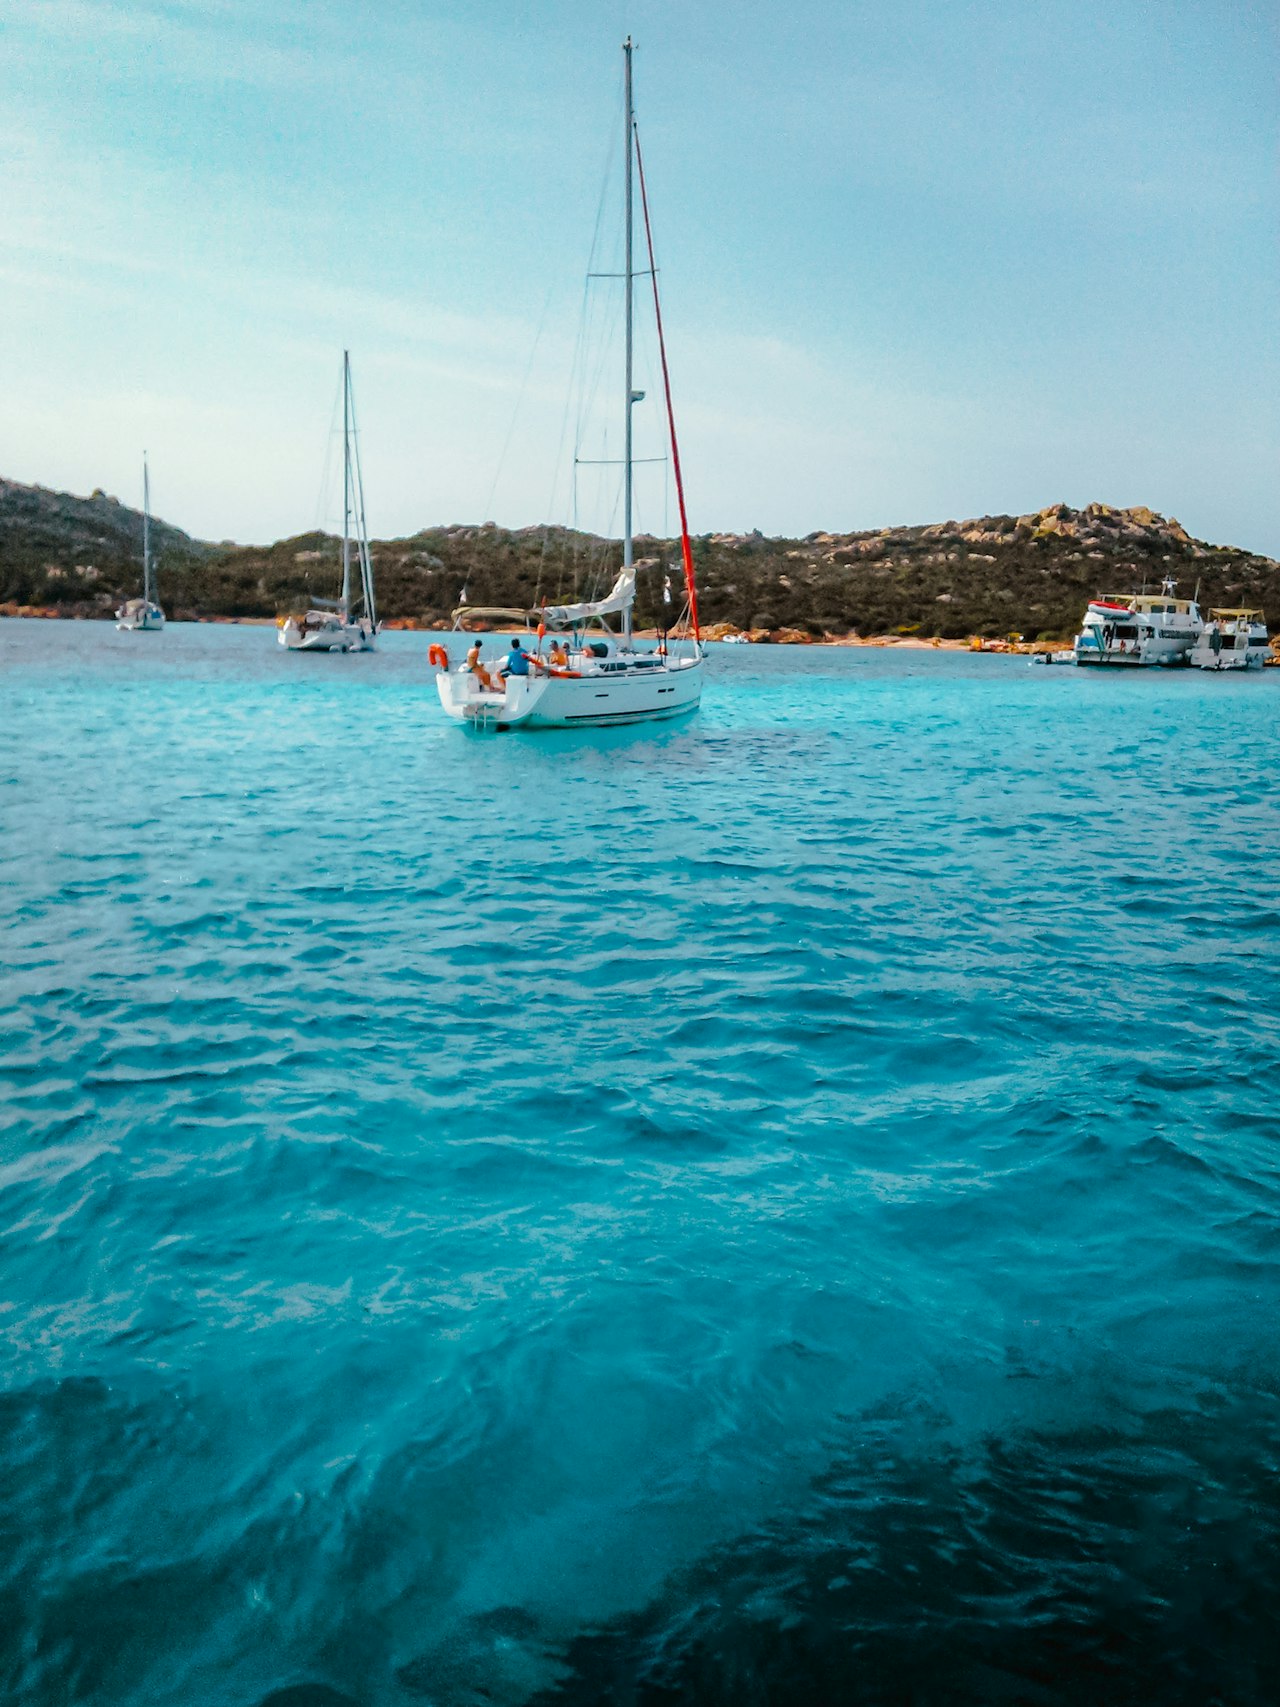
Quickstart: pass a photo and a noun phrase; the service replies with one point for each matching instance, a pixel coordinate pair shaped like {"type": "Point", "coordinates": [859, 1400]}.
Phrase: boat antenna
{"type": "Point", "coordinates": [346, 486]}
{"type": "Point", "coordinates": [628, 549]}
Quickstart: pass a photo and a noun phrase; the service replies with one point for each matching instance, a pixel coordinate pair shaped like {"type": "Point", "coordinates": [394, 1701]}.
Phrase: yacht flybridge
{"type": "Point", "coordinates": [339, 625]}
{"type": "Point", "coordinates": [592, 674]}
{"type": "Point", "coordinates": [135, 615]}
{"type": "Point", "coordinates": [1136, 629]}
{"type": "Point", "coordinates": [1233, 639]}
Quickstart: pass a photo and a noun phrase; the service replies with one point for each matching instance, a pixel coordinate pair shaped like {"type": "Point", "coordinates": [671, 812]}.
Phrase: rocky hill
{"type": "Point", "coordinates": [993, 575]}
{"type": "Point", "coordinates": [80, 554]}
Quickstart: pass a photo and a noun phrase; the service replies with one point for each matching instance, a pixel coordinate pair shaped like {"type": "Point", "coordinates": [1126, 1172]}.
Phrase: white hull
{"type": "Point", "coordinates": [131, 622]}
{"type": "Point", "coordinates": [595, 700]}
{"type": "Point", "coordinates": [1133, 655]}
{"type": "Point", "coordinates": [1203, 657]}
{"type": "Point", "coordinates": [1227, 661]}
{"type": "Point", "coordinates": [333, 637]}
{"type": "Point", "coordinates": [1130, 644]}
{"type": "Point", "coordinates": [1232, 640]}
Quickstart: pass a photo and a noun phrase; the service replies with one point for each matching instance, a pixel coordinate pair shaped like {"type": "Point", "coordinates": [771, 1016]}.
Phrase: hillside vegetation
{"type": "Point", "coordinates": [994, 575]}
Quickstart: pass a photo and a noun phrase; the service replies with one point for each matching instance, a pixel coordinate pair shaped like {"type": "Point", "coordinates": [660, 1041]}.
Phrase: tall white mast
{"type": "Point", "coordinates": [627, 544]}
{"type": "Point", "coordinates": [147, 593]}
{"type": "Point", "coordinates": [346, 486]}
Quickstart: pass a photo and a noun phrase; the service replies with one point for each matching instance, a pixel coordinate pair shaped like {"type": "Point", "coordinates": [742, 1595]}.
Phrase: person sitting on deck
{"type": "Point", "coordinates": [516, 662]}
{"type": "Point", "coordinates": [559, 655]}
{"type": "Point", "coordinates": [484, 681]}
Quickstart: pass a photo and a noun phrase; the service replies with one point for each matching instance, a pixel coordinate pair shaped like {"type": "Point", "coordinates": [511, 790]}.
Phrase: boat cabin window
{"type": "Point", "coordinates": [1126, 631]}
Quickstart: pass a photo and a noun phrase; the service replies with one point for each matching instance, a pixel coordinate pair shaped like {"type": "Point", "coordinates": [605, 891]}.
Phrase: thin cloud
{"type": "Point", "coordinates": [183, 42]}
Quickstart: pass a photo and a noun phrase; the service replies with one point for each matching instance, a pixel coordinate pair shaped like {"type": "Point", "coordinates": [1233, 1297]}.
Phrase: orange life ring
{"type": "Point", "coordinates": [437, 655]}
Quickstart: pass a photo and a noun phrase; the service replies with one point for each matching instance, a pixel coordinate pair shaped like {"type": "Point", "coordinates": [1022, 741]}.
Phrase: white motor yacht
{"type": "Point", "coordinates": [1137, 629]}
{"type": "Point", "coordinates": [1232, 640]}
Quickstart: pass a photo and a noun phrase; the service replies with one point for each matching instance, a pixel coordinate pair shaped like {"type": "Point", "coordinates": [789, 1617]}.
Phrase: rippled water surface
{"type": "Point", "coordinates": [782, 1207]}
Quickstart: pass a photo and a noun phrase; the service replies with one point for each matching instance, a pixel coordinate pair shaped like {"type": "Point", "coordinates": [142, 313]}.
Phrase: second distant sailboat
{"type": "Point", "coordinates": [343, 625]}
{"type": "Point", "coordinates": [137, 615]}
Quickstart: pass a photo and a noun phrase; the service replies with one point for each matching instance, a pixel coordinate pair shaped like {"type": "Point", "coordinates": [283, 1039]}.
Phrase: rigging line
{"type": "Point", "coordinates": [686, 548]}
{"type": "Point", "coordinates": [326, 471]}
{"type": "Point", "coordinates": [595, 350]}
{"type": "Point", "coordinates": [524, 386]}
{"type": "Point", "coordinates": [559, 463]}
{"type": "Point", "coordinates": [666, 515]}
{"type": "Point", "coordinates": [593, 377]}
{"type": "Point", "coordinates": [511, 428]}
{"type": "Point", "coordinates": [576, 366]}
{"type": "Point", "coordinates": [366, 559]}
{"type": "Point", "coordinates": [606, 179]}
{"type": "Point", "coordinates": [593, 381]}
{"type": "Point", "coordinates": [611, 151]}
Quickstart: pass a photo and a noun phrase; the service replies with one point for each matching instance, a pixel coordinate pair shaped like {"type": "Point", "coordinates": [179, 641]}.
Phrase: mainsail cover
{"type": "Point", "coordinates": [622, 597]}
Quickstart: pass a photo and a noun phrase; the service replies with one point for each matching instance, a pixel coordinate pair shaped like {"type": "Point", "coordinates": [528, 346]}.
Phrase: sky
{"type": "Point", "coordinates": [918, 261]}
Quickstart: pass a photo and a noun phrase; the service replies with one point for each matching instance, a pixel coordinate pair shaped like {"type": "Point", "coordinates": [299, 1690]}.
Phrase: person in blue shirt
{"type": "Point", "coordinates": [517, 660]}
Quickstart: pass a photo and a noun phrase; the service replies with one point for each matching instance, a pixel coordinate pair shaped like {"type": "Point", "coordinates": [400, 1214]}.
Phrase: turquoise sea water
{"type": "Point", "coordinates": [780, 1207]}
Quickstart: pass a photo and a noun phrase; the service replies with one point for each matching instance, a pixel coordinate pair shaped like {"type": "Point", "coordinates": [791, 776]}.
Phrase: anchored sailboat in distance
{"type": "Point", "coordinates": [594, 675]}
{"type": "Point", "coordinates": [334, 626]}
{"type": "Point", "coordinates": [136, 614]}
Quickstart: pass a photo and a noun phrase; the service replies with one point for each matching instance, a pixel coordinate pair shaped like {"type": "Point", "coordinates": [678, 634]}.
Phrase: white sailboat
{"type": "Point", "coordinates": [601, 677]}
{"type": "Point", "coordinates": [337, 625]}
{"type": "Point", "coordinates": [135, 615]}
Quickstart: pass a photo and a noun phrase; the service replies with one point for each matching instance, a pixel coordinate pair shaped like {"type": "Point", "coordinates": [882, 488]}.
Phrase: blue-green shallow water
{"type": "Point", "coordinates": [779, 1207]}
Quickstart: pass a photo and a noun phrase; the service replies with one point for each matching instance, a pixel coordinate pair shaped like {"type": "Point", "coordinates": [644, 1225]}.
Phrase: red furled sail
{"type": "Point", "coordinates": [685, 548]}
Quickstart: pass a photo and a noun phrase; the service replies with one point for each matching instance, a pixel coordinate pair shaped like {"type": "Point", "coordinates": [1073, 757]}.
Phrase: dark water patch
{"type": "Point", "coordinates": [1121, 1569]}
{"type": "Point", "coordinates": [308, 1695]}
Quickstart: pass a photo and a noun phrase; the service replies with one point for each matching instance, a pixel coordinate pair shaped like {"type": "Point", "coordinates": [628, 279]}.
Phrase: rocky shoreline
{"type": "Point", "coordinates": [956, 583]}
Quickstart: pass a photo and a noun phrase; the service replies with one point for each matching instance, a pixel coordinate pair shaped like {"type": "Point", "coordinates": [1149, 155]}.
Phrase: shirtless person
{"type": "Point", "coordinates": [484, 681]}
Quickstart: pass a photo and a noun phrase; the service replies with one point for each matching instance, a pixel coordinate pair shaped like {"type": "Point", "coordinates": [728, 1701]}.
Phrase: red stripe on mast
{"type": "Point", "coordinates": [685, 548]}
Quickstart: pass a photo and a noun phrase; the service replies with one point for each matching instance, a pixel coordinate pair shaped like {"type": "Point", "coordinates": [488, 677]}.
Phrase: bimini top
{"type": "Point", "coordinates": [504, 616]}
{"type": "Point", "coordinates": [1224, 611]}
{"type": "Point", "coordinates": [1155, 604]}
